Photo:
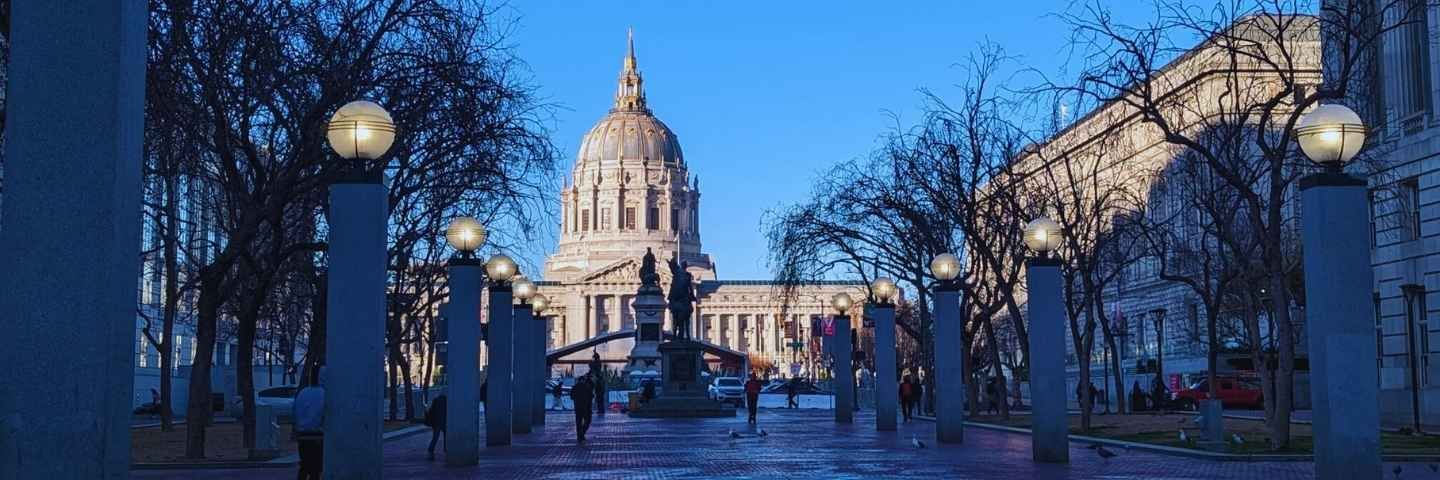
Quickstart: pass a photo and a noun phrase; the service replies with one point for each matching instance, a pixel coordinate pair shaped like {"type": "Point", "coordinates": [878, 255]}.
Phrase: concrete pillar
{"type": "Point", "coordinates": [542, 374]}
{"type": "Point", "coordinates": [1050, 435]}
{"type": "Point", "coordinates": [949, 367]}
{"type": "Point", "coordinates": [71, 237]}
{"type": "Point", "coordinates": [1338, 285]}
{"type": "Point", "coordinates": [355, 337]}
{"type": "Point", "coordinates": [886, 394]}
{"type": "Point", "coordinates": [462, 366]}
{"type": "Point", "coordinates": [498, 377]}
{"type": "Point", "coordinates": [524, 383]}
{"type": "Point", "coordinates": [844, 383]}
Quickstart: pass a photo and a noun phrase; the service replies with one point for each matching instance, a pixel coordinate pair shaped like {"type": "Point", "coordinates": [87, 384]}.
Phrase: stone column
{"type": "Point", "coordinates": [355, 337]}
{"type": "Point", "coordinates": [462, 365]}
{"type": "Point", "coordinates": [541, 372]}
{"type": "Point", "coordinates": [1338, 283]}
{"type": "Point", "coordinates": [524, 332]}
{"type": "Point", "coordinates": [949, 366]}
{"type": "Point", "coordinates": [71, 237]}
{"type": "Point", "coordinates": [1049, 440]}
{"type": "Point", "coordinates": [886, 394]}
{"type": "Point", "coordinates": [843, 348]}
{"type": "Point", "coordinates": [498, 378]}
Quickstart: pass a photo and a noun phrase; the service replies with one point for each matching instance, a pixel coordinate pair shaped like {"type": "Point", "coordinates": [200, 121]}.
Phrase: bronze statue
{"type": "Point", "coordinates": [648, 277]}
{"type": "Point", "coordinates": [682, 299]}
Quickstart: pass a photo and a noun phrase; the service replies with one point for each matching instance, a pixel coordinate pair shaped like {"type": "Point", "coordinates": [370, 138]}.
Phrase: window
{"type": "Point", "coordinates": [1379, 337]}
{"type": "Point", "coordinates": [604, 219]}
{"type": "Point", "coordinates": [1407, 49]}
{"type": "Point", "coordinates": [1193, 312]}
{"type": "Point", "coordinates": [1370, 201]}
{"type": "Point", "coordinates": [585, 220]}
{"type": "Point", "coordinates": [629, 219]}
{"type": "Point", "coordinates": [1417, 335]}
{"type": "Point", "coordinates": [1410, 202]}
{"type": "Point", "coordinates": [675, 219]}
{"type": "Point", "coordinates": [140, 350]}
{"type": "Point", "coordinates": [652, 220]}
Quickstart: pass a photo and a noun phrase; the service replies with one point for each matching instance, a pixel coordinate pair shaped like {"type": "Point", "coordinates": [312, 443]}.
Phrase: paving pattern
{"type": "Point", "coordinates": [798, 444]}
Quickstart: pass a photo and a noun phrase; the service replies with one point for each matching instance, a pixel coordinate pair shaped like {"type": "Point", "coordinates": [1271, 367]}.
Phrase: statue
{"type": "Point", "coordinates": [682, 299]}
{"type": "Point", "coordinates": [648, 278]}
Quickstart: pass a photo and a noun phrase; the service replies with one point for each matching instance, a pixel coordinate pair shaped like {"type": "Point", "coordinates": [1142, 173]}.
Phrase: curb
{"type": "Point", "coordinates": [288, 461]}
{"type": "Point", "coordinates": [1192, 453]}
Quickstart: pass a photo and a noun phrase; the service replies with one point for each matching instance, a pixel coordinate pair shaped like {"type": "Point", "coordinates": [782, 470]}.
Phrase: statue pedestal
{"type": "Point", "coordinates": [644, 361]}
{"type": "Point", "coordinates": [683, 392]}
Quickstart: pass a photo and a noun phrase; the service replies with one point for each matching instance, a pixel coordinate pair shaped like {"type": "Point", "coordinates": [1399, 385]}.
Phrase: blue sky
{"type": "Point", "coordinates": [765, 95]}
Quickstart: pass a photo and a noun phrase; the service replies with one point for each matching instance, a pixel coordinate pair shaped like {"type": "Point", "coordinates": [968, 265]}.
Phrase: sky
{"type": "Point", "coordinates": [766, 95]}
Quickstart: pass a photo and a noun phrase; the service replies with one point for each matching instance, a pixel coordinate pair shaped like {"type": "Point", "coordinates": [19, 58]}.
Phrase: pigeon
{"type": "Point", "coordinates": [915, 442]}
{"type": "Point", "coordinates": [1092, 446]}
{"type": "Point", "coordinates": [1105, 453]}
{"type": "Point", "coordinates": [1183, 437]}
{"type": "Point", "coordinates": [1199, 418]}
{"type": "Point", "coordinates": [733, 434]}
{"type": "Point", "coordinates": [1434, 468]}
{"type": "Point", "coordinates": [764, 433]}
{"type": "Point", "coordinates": [1239, 440]}
{"type": "Point", "coordinates": [1396, 471]}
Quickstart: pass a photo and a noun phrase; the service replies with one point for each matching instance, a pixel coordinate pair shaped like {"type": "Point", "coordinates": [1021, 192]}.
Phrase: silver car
{"type": "Point", "coordinates": [727, 390]}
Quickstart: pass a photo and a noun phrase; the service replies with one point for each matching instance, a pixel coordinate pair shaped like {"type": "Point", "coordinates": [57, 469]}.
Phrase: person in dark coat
{"type": "Point", "coordinates": [583, 394]}
{"type": "Point", "coordinates": [792, 393]}
{"type": "Point", "coordinates": [647, 393]}
{"type": "Point", "coordinates": [435, 418]}
{"type": "Point", "coordinates": [1137, 398]}
{"type": "Point", "coordinates": [752, 396]}
{"type": "Point", "coordinates": [600, 399]}
{"type": "Point", "coordinates": [559, 392]}
{"type": "Point", "coordinates": [907, 397]}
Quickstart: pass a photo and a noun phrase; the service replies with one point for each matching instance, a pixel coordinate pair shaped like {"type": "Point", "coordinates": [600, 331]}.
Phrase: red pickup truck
{"type": "Point", "coordinates": [1234, 393]}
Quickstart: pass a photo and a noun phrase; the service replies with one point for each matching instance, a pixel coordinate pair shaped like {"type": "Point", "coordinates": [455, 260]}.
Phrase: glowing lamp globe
{"type": "Point", "coordinates": [1331, 135]}
{"type": "Point", "coordinates": [884, 289]}
{"type": "Point", "coordinates": [524, 289]}
{"type": "Point", "coordinates": [539, 303]}
{"type": "Point", "coordinates": [501, 268]}
{"type": "Point", "coordinates": [841, 302]}
{"type": "Point", "coordinates": [465, 234]}
{"type": "Point", "coordinates": [361, 130]}
{"type": "Point", "coordinates": [945, 267]}
{"type": "Point", "coordinates": [1042, 235]}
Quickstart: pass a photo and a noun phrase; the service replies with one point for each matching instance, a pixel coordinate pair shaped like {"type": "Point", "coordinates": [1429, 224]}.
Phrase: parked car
{"type": "Point", "coordinates": [802, 387]}
{"type": "Point", "coordinates": [1233, 392]}
{"type": "Point", "coordinates": [281, 399]}
{"type": "Point", "coordinates": [565, 384]}
{"type": "Point", "coordinates": [727, 390]}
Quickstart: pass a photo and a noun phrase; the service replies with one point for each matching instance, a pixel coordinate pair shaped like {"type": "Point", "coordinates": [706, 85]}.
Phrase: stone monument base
{"type": "Point", "coordinates": [683, 391]}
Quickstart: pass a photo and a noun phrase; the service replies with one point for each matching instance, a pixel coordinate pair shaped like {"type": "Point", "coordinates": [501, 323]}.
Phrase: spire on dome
{"type": "Point", "coordinates": [630, 94]}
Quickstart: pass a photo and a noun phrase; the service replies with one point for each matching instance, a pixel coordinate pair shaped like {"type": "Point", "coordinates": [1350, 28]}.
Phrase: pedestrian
{"type": "Point", "coordinates": [310, 427]}
{"type": "Point", "coordinates": [992, 397]}
{"type": "Point", "coordinates": [601, 399]}
{"type": "Point", "coordinates": [435, 419]}
{"type": "Point", "coordinates": [907, 397]}
{"type": "Point", "coordinates": [1015, 397]}
{"type": "Point", "coordinates": [792, 393]}
{"type": "Point", "coordinates": [559, 392]}
{"type": "Point", "coordinates": [484, 388]}
{"type": "Point", "coordinates": [920, 396]}
{"type": "Point", "coordinates": [1137, 398]}
{"type": "Point", "coordinates": [752, 396]}
{"type": "Point", "coordinates": [647, 392]}
{"type": "Point", "coordinates": [582, 393]}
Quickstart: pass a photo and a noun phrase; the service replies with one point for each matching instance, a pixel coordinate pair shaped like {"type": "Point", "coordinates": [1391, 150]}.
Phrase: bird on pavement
{"type": "Point", "coordinates": [1434, 468]}
{"type": "Point", "coordinates": [1183, 437]}
{"type": "Point", "coordinates": [1105, 453]}
{"type": "Point", "coordinates": [1396, 471]}
{"type": "Point", "coordinates": [733, 434]}
{"type": "Point", "coordinates": [1239, 440]}
{"type": "Point", "coordinates": [764, 433]}
{"type": "Point", "coordinates": [915, 442]}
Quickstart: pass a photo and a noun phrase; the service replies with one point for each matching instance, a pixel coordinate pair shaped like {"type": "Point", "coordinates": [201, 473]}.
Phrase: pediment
{"type": "Point", "coordinates": [626, 271]}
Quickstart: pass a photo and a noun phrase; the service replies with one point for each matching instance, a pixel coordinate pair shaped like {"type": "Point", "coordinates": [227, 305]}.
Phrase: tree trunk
{"type": "Point", "coordinates": [172, 301]}
{"type": "Point", "coordinates": [1212, 356]}
{"type": "Point", "coordinates": [1285, 364]}
{"type": "Point", "coordinates": [315, 350]}
{"type": "Point", "coordinates": [245, 366]}
{"type": "Point", "coordinates": [197, 413]}
{"type": "Point", "coordinates": [408, 386]}
{"type": "Point", "coordinates": [1001, 386]}
{"type": "Point", "coordinates": [1161, 384]}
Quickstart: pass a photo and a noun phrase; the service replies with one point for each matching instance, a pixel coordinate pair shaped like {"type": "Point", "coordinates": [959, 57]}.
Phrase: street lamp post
{"type": "Point", "coordinates": [949, 370]}
{"type": "Point", "coordinates": [538, 304]}
{"type": "Point", "coordinates": [885, 385]}
{"type": "Point", "coordinates": [462, 367]}
{"type": "Point", "coordinates": [1338, 284]}
{"type": "Point", "coordinates": [842, 351]}
{"type": "Point", "coordinates": [1049, 440]}
{"type": "Point", "coordinates": [524, 366]}
{"type": "Point", "coordinates": [500, 340]}
{"type": "Point", "coordinates": [360, 132]}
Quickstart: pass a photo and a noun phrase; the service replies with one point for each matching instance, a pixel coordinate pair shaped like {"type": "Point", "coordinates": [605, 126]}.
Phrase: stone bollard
{"type": "Point", "coordinates": [267, 434]}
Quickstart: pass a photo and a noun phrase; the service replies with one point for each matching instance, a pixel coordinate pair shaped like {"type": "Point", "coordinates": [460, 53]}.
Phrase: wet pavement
{"type": "Point", "coordinates": [798, 444]}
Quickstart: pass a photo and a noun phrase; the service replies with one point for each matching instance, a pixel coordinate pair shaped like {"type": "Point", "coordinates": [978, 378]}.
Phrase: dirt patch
{"type": "Point", "coordinates": [223, 443]}
{"type": "Point", "coordinates": [1164, 429]}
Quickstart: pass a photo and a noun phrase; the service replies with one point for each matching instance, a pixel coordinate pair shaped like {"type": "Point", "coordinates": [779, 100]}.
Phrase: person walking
{"type": "Point", "coordinates": [435, 419]}
{"type": "Point", "coordinates": [1015, 397]}
{"type": "Point", "coordinates": [792, 394]}
{"type": "Point", "coordinates": [559, 392]}
{"type": "Point", "coordinates": [601, 401]}
{"type": "Point", "coordinates": [647, 392]}
{"type": "Point", "coordinates": [582, 393]}
{"type": "Point", "coordinates": [752, 396]}
{"type": "Point", "coordinates": [919, 392]}
{"type": "Point", "coordinates": [907, 397]}
{"type": "Point", "coordinates": [992, 396]}
{"type": "Point", "coordinates": [310, 427]}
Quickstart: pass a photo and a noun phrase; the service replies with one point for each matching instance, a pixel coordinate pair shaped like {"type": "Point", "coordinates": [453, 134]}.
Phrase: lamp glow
{"type": "Point", "coordinates": [361, 130]}
{"type": "Point", "coordinates": [945, 267]}
{"type": "Point", "coordinates": [1331, 135]}
{"type": "Point", "coordinates": [524, 289]}
{"type": "Point", "coordinates": [841, 302]}
{"type": "Point", "coordinates": [500, 268]}
{"type": "Point", "coordinates": [465, 234]}
{"type": "Point", "coordinates": [884, 289]}
{"type": "Point", "coordinates": [539, 303]}
{"type": "Point", "coordinates": [1043, 235]}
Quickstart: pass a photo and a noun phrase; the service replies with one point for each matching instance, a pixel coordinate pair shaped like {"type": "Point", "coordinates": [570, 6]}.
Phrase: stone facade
{"type": "Point", "coordinates": [631, 189]}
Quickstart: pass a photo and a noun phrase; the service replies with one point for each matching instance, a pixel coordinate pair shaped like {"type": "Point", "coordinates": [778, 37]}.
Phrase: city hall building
{"type": "Point", "coordinates": [632, 190]}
